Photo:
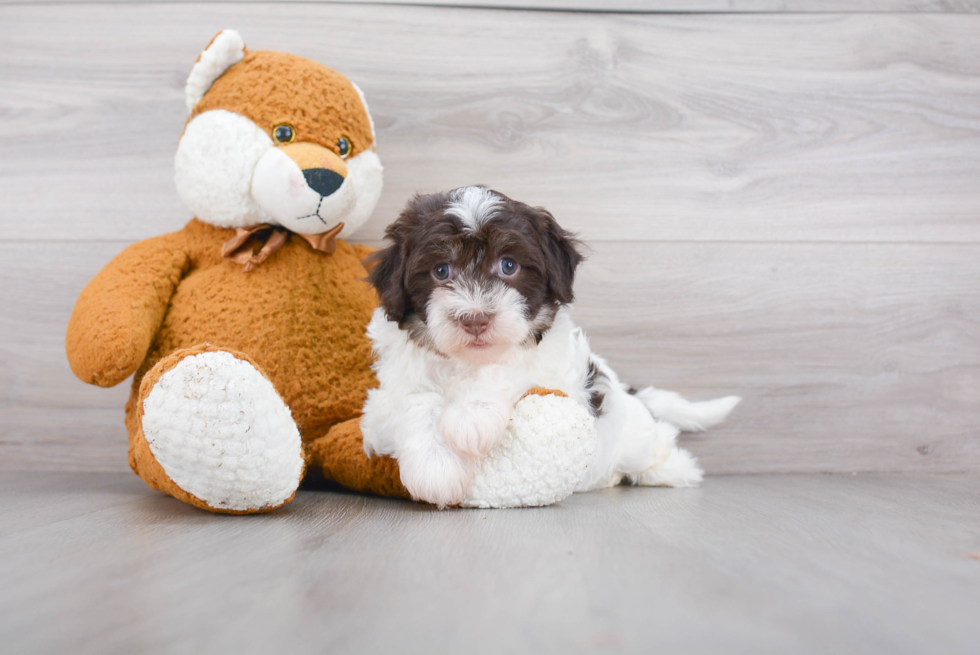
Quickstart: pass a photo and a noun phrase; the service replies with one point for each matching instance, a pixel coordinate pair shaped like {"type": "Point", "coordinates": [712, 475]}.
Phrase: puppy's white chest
{"type": "Point", "coordinates": [465, 382]}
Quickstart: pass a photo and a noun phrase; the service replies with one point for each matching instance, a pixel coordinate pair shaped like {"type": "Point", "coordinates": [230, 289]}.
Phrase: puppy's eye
{"type": "Point", "coordinates": [508, 267]}
{"type": "Point", "coordinates": [442, 272]}
{"type": "Point", "coordinates": [283, 134]}
{"type": "Point", "coordinates": [344, 147]}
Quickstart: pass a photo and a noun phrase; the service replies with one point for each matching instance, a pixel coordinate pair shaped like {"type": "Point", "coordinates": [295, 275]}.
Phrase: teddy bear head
{"type": "Point", "coordinates": [275, 138]}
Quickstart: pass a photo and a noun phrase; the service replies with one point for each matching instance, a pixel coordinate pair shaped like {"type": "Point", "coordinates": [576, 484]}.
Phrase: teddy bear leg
{"type": "Point", "coordinates": [211, 430]}
{"type": "Point", "coordinates": [340, 454]}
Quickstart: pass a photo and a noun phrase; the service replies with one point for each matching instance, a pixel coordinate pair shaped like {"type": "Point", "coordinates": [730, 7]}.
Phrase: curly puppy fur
{"type": "Point", "coordinates": [473, 291]}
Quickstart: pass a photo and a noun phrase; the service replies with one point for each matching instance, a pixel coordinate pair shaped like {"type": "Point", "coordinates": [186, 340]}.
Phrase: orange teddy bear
{"type": "Point", "coordinates": [245, 329]}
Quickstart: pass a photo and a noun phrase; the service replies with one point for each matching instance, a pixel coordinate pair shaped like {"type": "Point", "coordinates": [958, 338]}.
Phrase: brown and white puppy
{"type": "Point", "coordinates": [470, 287]}
{"type": "Point", "coordinates": [473, 291]}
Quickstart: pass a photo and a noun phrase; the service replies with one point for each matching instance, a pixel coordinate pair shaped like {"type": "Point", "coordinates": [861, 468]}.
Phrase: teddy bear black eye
{"type": "Point", "coordinates": [283, 134]}
{"type": "Point", "coordinates": [344, 147]}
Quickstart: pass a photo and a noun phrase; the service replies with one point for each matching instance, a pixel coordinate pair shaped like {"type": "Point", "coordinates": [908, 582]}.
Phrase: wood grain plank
{"type": "Point", "coordinates": [851, 357]}
{"type": "Point", "coordinates": [640, 6]}
{"type": "Point", "coordinates": [690, 127]}
{"type": "Point", "coordinates": [748, 564]}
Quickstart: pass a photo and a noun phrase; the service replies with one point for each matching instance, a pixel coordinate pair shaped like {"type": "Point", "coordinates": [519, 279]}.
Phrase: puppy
{"type": "Point", "coordinates": [473, 290]}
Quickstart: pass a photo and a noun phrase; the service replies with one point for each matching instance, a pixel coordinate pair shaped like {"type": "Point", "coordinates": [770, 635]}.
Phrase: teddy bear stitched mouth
{"type": "Point", "coordinates": [315, 213]}
{"type": "Point", "coordinates": [325, 182]}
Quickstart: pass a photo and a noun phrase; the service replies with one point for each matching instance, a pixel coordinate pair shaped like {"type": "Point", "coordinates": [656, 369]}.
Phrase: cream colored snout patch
{"type": "Point", "coordinates": [304, 187]}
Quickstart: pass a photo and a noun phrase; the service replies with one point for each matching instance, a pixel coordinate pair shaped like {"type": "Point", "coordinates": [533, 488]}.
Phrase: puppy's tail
{"type": "Point", "coordinates": [687, 415]}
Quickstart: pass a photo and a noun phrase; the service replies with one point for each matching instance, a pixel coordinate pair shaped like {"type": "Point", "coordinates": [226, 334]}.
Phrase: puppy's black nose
{"type": "Point", "coordinates": [323, 180]}
{"type": "Point", "coordinates": [475, 324]}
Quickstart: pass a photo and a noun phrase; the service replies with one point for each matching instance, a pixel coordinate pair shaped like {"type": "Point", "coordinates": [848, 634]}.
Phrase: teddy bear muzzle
{"type": "Point", "coordinates": [305, 187]}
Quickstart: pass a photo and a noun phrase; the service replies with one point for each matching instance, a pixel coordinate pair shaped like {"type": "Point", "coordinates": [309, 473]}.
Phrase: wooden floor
{"type": "Point", "coordinates": [99, 563]}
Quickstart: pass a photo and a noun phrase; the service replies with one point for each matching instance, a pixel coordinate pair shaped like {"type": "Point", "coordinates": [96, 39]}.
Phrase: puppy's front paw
{"type": "Point", "coordinates": [433, 473]}
{"type": "Point", "coordinates": [473, 428]}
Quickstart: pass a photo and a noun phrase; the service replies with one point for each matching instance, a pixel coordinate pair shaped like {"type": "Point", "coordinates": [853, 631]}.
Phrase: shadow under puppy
{"type": "Point", "coordinates": [473, 291]}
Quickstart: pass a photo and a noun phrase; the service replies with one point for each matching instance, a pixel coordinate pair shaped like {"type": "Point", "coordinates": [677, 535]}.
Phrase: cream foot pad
{"type": "Point", "coordinates": [221, 432]}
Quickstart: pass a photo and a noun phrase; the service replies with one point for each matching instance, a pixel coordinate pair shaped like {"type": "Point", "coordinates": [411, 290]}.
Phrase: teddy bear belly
{"type": "Point", "coordinates": [303, 321]}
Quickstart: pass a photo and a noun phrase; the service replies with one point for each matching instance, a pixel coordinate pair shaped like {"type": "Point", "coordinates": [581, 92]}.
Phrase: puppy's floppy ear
{"type": "Point", "coordinates": [388, 274]}
{"type": "Point", "coordinates": [562, 252]}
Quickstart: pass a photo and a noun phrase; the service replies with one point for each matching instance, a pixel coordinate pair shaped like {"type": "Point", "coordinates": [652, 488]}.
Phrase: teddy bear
{"type": "Point", "coordinates": [245, 330]}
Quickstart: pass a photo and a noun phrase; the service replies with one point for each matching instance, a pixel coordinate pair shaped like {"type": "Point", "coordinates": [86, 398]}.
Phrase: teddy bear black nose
{"type": "Point", "coordinates": [323, 180]}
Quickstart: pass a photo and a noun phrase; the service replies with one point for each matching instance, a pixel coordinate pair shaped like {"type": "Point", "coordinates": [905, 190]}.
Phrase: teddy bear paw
{"type": "Point", "coordinates": [546, 451]}
{"type": "Point", "coordinates": [222, 434]}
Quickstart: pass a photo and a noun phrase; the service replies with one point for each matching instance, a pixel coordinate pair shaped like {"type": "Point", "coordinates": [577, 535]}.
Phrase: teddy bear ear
{"type": "Point", "coordinates": [226, 49]}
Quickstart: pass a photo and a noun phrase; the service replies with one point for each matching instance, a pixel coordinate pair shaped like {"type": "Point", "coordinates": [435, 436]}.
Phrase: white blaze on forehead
{"type": "Point", "coordinates": [473, 205]}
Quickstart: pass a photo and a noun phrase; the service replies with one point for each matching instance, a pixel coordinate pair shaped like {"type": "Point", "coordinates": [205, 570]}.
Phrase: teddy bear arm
{"type": "Point", "coordinates": [541, 391]}
{"type": "Point", "coordinates": [548, 450]}
{"type": "Point", "coordinates": [120, 310]}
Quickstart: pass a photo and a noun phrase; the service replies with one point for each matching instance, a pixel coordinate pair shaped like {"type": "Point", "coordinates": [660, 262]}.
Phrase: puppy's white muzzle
{"type": "Point", "coordinates": [307, 202]}
{"type": "Point", "coordinates": [476, 321]}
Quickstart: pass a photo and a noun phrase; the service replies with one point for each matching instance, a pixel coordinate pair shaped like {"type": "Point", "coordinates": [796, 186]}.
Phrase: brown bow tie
{"type": "Point", "coordinates": [241, 247]}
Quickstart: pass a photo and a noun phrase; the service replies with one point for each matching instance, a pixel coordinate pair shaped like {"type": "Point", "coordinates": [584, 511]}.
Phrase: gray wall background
{"type": "Point", "coordinates": [782, 198]}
